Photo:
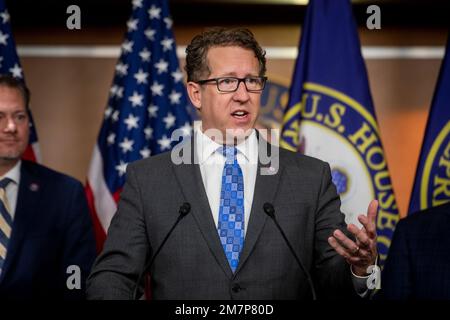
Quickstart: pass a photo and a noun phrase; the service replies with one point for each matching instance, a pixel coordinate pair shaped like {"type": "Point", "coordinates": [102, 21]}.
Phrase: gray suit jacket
{"type": "Point", "coordinates": [192, 263]}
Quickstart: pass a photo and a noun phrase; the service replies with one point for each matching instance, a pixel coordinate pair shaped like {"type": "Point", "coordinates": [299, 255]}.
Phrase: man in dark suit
{"type": "Point", "coordinates": [227, 247]}
{"type": "Point", "coordinates": [418, 264]}
{"type": "Point", "coordinates": [47, 245]}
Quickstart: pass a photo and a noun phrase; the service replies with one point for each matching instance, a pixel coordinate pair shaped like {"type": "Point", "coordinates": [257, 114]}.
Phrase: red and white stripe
{"type": "Point", "coordinates": [32, 153]}
{"type": "Point", "coordinates": [102, 203]}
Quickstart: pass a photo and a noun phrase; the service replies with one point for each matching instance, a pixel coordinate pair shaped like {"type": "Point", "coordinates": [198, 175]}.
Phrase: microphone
{"type": "Point", "coordinates": [185, 208]}
{"type": "Point", "coordinates": [270, 211]}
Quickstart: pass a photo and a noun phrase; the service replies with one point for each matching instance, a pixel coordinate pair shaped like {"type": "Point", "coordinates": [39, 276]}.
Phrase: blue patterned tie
{"type": "Point", "coordinates": [5, 221]}
{"type": "Point", "coordinates": [231, 211]}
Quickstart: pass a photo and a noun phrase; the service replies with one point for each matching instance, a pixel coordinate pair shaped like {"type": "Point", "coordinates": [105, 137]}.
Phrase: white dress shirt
{"type": "Point", "coordinates": [212, 161]}
{"type": "Point", "coordinates": [12, 188]}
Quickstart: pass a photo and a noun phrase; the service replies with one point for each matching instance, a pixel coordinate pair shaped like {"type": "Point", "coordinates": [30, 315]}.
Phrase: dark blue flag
{"type": "Point", "coordinates": [330, 115]}
{"type": "Point", "coordinates": [432, 182]}
{"type": "Point", "coordinates": [10, 64]}
{"type": "Point", "coordinates": [147, 102]}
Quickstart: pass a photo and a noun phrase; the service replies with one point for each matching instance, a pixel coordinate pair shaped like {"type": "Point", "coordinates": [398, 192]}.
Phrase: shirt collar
{"type": "Point", "coordinates": [249, 148]}
{"type": "Point", "coordinates": [206, 147]}
{"type": "Point", "coordinates": [14, 173]}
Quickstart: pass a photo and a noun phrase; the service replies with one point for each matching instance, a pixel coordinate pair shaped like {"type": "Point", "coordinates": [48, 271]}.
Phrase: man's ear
{"type": "Point", "coordinates": [195, 94]}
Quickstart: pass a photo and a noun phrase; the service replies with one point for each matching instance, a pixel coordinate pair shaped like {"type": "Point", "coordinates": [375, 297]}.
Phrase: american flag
{"type": "Point", "coordinates": [147, 102]}
{"type": "Point", "coordinates": [9, 63]}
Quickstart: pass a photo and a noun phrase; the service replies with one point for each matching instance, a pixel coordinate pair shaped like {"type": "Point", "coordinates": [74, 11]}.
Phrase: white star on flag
{"type": "Point", "coordinates": [131, 122]}
{"type": "Point", "coordinates": [5, 16]}
{"type": "Point", "coordinates": [115, 116]}
{"type": "Point", "coordinates": [141, 76]}
{"type": "Point", "coordinates": [162, 66]}
{"type": "Point", "coordinates": [111, 138]}
{"type": "Point", "coordinates": [145, 153]}
{"type": "Point", "coordinates": [1, 59]}
{"type": "Point", "coordinates": [157, 89]}
{"type": "Point", "coordinates": [113, 90]}
{"type": "Point", "coordinates": [154, 12]}
{"type": "Point", "coordinates": [132, 24]}
{"type": "Point", "coordinates": [177, 75]}
{"type": "Point", "coordinates": [167, 44]}
{"type": "Point", "coordinates": [137, 4]}
{"type": "Point", "coordinates": [175, 97]}
{"type": "Point", "coordinates": [186, 129]}
{"type": "Point", "coordinates": [3, 38]}
{"type": "Point", "coordinates": [122, 69]}
{"type": "Point", "coordinates": [127, 46]}
{"type": "Point", "coordinates": [164, 143]}
{"type": "Point", "coordinates": [121, 168]}
{"type": "Point", "coordinates": [16, 71]}
{"type": "Point", "coordinates": [168, 22]}
{"type": "Point", "coordinates": [169, 120]}
{"type": "Point", "coordinates": [126, 145]}
{"type": "Point", "coordinates": [148, 131]}
{"type": "Point", "coordinates": [150, 34]}
{"type": "Point", "coordinates": [145, 55]}
{"type": "Point", "coordinates": [108, 112]}
{"type": "Point", "coordinates": [152, 109]}
{"type": "Point", "coordinates": [136, 99]}
{"type": "Point", "coordinates": [116, 91]}
{"type": "Point", "coordinates": [119, 93]}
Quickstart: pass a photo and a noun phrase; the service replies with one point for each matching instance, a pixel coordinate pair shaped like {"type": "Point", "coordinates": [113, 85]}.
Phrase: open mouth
{"type": "Point", "coordinates": [239, 114]}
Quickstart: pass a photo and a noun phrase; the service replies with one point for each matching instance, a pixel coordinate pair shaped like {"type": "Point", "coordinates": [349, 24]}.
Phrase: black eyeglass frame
{"type": "Point", "coordinates": [216, 80]}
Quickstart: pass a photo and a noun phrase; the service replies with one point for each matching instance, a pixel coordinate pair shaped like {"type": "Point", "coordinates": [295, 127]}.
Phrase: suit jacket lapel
{"type": "Point", "coordinates": [190, 181]}
{"type": "Point", "coordinates": [265, 189]}
{"type": "Point", "coordinates": [27, 200]}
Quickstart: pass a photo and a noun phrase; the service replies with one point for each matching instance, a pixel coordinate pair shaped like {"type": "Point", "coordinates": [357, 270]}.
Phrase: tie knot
{"type": "Point", "coordinates": [229, 153]}
{"type": "Point", "coordinates": [4, 182]}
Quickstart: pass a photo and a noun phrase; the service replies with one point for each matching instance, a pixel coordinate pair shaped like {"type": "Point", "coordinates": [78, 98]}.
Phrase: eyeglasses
{"type": "Point", "coordinates": [231, 84]}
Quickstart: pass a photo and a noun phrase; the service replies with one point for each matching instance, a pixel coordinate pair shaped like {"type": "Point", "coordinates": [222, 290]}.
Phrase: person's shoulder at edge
{"type": "Point", "coordinates": [425, 216]}
{"type": "Point", "coordinates": [155, 162]}
{"type": "Point", "coordinates": [49, 175]}
{"type": "Point", "coordinates": [289, 157]}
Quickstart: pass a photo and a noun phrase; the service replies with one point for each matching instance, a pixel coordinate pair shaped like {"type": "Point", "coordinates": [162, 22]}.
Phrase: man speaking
{"type": "Point", "coordinates": [222, 223]}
